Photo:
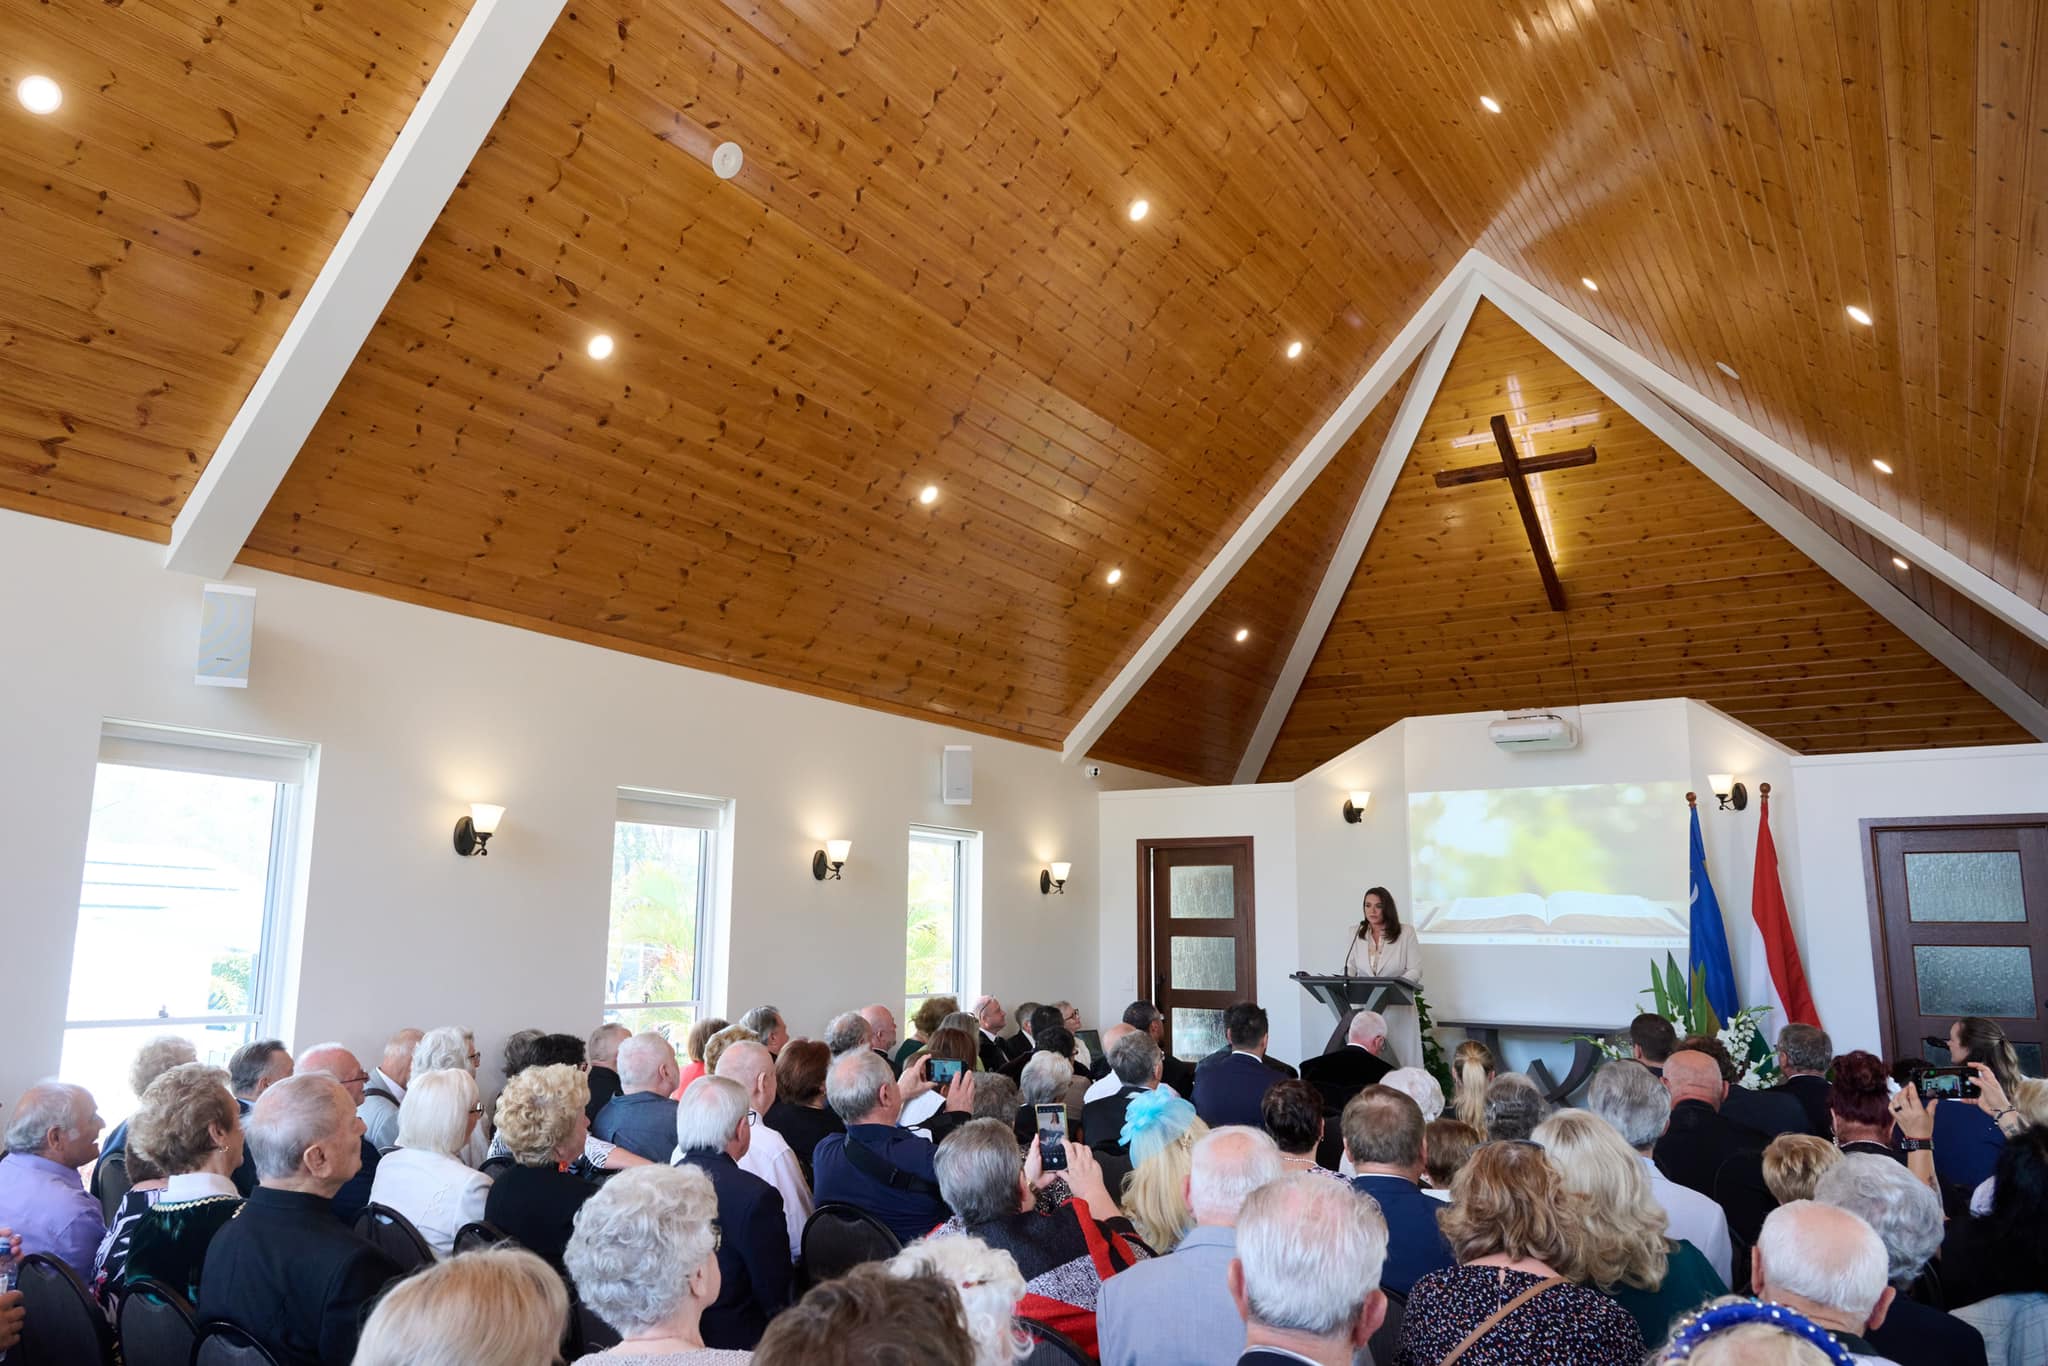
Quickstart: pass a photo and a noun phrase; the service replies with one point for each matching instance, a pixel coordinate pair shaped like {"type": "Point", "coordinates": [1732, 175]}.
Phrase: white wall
{"type": "Point", "coordinates": [417, 713]}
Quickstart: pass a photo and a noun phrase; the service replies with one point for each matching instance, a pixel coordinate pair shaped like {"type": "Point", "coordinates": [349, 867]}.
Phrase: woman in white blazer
{"type": "Point", "coordinates": [425, 1178]}
{"type": "Point", "coordinates": [1382, 946]}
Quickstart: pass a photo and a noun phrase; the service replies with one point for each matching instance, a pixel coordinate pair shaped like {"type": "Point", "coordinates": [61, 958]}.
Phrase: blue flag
{"type": "Point", "coordinates": [1707, 954]}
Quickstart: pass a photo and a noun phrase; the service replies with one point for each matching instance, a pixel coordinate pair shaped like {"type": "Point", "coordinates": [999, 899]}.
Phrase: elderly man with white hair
{"type": "Point", "coordinates": [877, 1165]}
{"type": "Point", "coordinates": [336, 1061]}
{"type": "Point", "coordinates": [1178, 1307]}
{"type": "Point", "coordinates": [54, 1131]}
{"type": "Point", "coordinates": [285, 1270]}
{"type": "Point", "coordinates": [1306, 1276]}
{"type": "Point", "coordinates": [601, 1053]}
{"type": "Point", "coordinates": [881, 1029]}
{"type": "Point", "coordinates": [385, 1090]}
{"type": "Point", "coordinates": [1343, 1074]}
{"type": "Point", "coordinates": [1906, 1215]}
{"type": "Point", "coordinates": [712, 1135]}
{"type": "Point", "coordinates": [768, 1154]}
{"type": "Point", "coordinates": [847, 1031]}
{"type": "Point", "coordinates": [1632, 1099]}
{"type": "Point", "coordinates": [641, 1118]}
{"type": "Point", "coordinates": [990, 1020]}
{"type": "Point", "coordinates": [1830, 1266]}
{"type": "Point", "coordinates": [1134, 1061]}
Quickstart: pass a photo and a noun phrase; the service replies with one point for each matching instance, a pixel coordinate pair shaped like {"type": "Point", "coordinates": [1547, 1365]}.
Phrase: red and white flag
{"type": "Point", "coordinates": [1771, 945]}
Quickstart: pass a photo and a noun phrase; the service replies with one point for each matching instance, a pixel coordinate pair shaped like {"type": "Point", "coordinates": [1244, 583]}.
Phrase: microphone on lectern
{"type": "Point", "coordinates": [1933, 1042]}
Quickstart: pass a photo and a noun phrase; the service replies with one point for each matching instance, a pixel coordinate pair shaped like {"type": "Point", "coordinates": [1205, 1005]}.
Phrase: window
{"type": "Point", "coordinates": [944, 884]}
{"type": "Point", "coordinates": [664, 873]}
{"type": "Point", "coordinates": [185, 905]}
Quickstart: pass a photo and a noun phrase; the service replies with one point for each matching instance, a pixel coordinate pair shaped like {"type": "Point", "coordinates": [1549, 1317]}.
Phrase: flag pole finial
{"type": "Point", "coordinates": [1692, 799]}
{"type": "Point", "coordinates": [1764, 790]}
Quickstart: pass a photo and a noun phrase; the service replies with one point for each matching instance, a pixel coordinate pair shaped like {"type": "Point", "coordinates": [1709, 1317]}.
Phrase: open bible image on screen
{"type": "Point", "coordinates": [1596, 865]}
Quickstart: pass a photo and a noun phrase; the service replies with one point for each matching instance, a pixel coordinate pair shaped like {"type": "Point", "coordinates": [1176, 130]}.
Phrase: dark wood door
{"type": "Point", "coordinates": [1959, 926]}
{"type": "Point", "coordinates": [1195, 919]}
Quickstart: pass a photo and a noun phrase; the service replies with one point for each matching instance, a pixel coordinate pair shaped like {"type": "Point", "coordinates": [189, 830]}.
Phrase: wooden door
{"type": "Point", "coordinates": [1195, 919]}
{"type": "Point", "coordinates": [1959, 926]}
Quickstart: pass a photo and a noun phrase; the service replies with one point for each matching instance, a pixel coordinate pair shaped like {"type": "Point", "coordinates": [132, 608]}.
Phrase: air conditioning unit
{"type": "Point", "coordinates": [1533, 730]}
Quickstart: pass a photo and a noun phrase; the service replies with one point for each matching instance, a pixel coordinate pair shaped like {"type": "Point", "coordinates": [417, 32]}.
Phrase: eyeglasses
{"type": "Point", "coordinates": [477, 1108]}
{"type": "Point", "coordinates": [359, 1079]}
{"type": "Point", "coordinates": [717, 1236]}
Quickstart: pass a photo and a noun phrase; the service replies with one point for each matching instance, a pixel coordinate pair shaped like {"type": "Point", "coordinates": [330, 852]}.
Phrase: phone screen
{"type": "Point", "coordinates": [1052, 1137]}
{"type": "Point", "coordinates": [943, 1070]}
{"type": "Point", "coordinates": [1954, 1082]}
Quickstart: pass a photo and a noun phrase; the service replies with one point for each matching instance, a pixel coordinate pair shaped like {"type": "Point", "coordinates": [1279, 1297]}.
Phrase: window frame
{"type": "Point", "coordinates": [708, 816]}
{"type": "Point", "coordinates": [966, 909]}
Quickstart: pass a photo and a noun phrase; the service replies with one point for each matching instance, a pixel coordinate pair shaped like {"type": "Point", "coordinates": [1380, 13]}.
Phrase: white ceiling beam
{"type": "Point", "coordinates": [469, 88]}
{"type": "Point", "coordinates": [1315, 456]}
{"type": "Point", "coordinates": [1365, 516]}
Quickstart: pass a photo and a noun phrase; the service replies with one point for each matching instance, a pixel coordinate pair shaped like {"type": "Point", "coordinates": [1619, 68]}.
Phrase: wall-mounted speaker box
{"type": "Point", "coordinates": [956, 775]}
{"type": "Point", "coordinates": [227, 630]}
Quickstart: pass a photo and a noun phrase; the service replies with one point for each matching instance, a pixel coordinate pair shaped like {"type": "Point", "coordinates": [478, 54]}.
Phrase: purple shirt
{"type": "Point", "coordinates": [48, 1206]}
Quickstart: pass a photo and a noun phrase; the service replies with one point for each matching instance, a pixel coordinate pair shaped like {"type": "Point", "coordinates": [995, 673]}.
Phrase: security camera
{"type": "Point", "coordinates": [1093, 770]}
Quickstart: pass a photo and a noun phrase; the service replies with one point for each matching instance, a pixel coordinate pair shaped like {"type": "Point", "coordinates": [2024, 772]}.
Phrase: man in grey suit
{"type": "Point", "coordinates": [1178, 1308]}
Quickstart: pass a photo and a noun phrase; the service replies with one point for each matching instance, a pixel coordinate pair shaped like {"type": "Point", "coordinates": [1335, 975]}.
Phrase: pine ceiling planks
{"type": "Point", "coordinates": [1672, 589]}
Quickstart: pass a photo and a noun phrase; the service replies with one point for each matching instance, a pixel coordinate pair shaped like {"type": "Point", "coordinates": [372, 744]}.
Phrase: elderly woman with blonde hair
{"type": "Point", "coordinates": [190, 1129]}
{"type": "Point", "coordinates": [502, 1306]}
{"type": "Point", "coordinates": [989, 1284]}
{"type": "Point", "coordinates": [1161, 1131]}
{"type": "Point", "coordinates": [1623, 1247]}
{"type": "Point", "coordinates": [424, 1178]}
{"type": "Point", "coordinates": [541, 1120]}
{"type": "Point", "coordinates": [643, 1261]}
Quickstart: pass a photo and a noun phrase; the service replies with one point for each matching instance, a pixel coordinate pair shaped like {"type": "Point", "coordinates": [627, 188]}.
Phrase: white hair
{"type": "Point", "coordinates": [157, 1057]}
{"type": "Point", "coordinates": [711, 1112]}
{"type": "Point", "coordinates": [1046, 1079]}
{"type": "Point", "coordinates": [847, 1031]}
{"type": "Point", "coordinates": [435, 1112]}
{"type": "Point", "coordinates": [989, 1283]}
{"type": "Point", "coordinates": [440, 1049]}
{"type": "Point", "coordinates": [641, 1058]}
{"type": "Point", "coordinates": [638, 1241]}
{"type": "Point", "coordinates": [1228, 1164]}
{"type": "Point", "coordinates": [1312, 1250]}
{"type": "Point", "coordinates": [1420, 1087]}
{"type": "Point", "coordinates": [45, 1106]}
{"type": "Point", "coordinates": [291, 1117]}
{"type": "Point", "coordinates": [853, 1086]}
{"type": "Point", "coordinates": [978, 1166]}
{"type": "Point", "coordinates": [1366, 1024]}
{"type": "Point", "coordinates": [1628, 1096]}
{"type": "Point", "coordinates": [745, 1062]}
{"type": "Point", "coordinates": [1825, 1255]}
{"type": "Point", "coordinates": [319, 1059]}
{"type": "Point", "coordinates": [1903, 1211]}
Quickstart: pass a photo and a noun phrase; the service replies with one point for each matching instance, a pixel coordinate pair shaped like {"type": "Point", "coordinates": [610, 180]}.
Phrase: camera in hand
{"type": "Point", "coordinates": [1052, 1137]}
{"type": "Point", "coordinates": [1950, 1083]}
{"type": "Point", "coordinates": [942, 1071]}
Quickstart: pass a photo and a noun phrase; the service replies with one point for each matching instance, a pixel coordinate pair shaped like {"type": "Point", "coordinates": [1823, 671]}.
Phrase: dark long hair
{"type": "Point", "coordinates": [1390, 922]}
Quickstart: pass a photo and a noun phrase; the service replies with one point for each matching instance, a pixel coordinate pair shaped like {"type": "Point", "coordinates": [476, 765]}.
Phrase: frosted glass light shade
{"type": "Point", "coordinates": [837, 850]}
{"type": "Point", "coordinates": [485, 817]}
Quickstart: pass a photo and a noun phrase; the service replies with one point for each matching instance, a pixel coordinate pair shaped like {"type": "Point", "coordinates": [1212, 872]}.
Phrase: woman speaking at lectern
{"type": "Point", "coordinates": [1381, 947]}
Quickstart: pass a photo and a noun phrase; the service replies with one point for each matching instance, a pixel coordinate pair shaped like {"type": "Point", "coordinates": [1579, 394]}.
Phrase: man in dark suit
{"type": "Point", "coordinates": [1699, 1138]}
{"type": "Point", "coordinates": [1230, 1086]}
{"type": "Point", "coordinates": [1805, 1052]}
{"type": "Point", "coordinates": [1135, 1060]}
{"type": "Point", "coordinates": [712, 1135]}
{"type": "Point", "coordinates": [1295, 1280]}
{"type": "Point", "coordinates": [1651, 1040]}
{"type": "Point", "coordinates": [1383, 1135]}
{"type": "Point", "coordinates": [337, 1062]}
{"type": "Point", "coordinates": [284, 1269]}
{"type": "Point", "coordinates": [1147, 1018]}
{"type": "Point", "coordinates": [1343, 1074]}
{"type": "Point", "coordinates": [995, 1049]}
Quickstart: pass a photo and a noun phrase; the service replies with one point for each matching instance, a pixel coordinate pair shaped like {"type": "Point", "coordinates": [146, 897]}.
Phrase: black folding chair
{"type": "Point", "coordinates": [479, 1234]}
{"type": "Point", "coordinates": [837, 1238]}
{"type": "Point", "coordinates": [1387, 1337]}
{"type": "Point", "coordinates": [223, 1344]}
{"type": "Point", "coordinates": [63, 1325]}
{"type": "Point", "coordinates": [157, 1327]}
{"type": "Point", "coordinates": [1051, 1347]}
{"type": "Point", "coordinates": [110, 1183]}
{"type": "Point", "coordinates": [392, 1234]}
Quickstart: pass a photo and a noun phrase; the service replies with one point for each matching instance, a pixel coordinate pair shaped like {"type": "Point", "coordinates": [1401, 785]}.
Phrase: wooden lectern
{"type": "Point", "coordinates": [1346, 996]}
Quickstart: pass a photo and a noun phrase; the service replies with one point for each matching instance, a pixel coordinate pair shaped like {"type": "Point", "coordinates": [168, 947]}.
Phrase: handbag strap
{"type": "Point", "coordinates": [1491, 1321]}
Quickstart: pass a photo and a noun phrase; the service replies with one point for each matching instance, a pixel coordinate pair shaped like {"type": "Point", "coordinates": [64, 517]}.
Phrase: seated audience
{"type": "Point", "coordinates": [1828, 1265]}
{"type": "Point", "coordinates": [333, 1060]}
{"type": "Point", "coordinates": [498, 1306]}
{"type": "Point", "coordinates": [542, 1122]}
{"type": "Point", "coordinates": [643, 1258]}
{"type": "Point", "coordinates": [424, 1178]}
{"type": "Point", "coordinates": [1293, 1114]}
{"type": "Point", "coordinates": [451, 1048]}
{"type": "Point", "coordinates": [1230, 1088]}
{"type": "Point", "coordinates": [989, 1284]}
{"type": "Point", "coordinates": [1047, 1035]}
{"type": "Point", "coordinates": [253, 1069]}
{"type": "Point", "coordinates": [845, 1032]}
{"type": "Point", "coordinates": [753, 1270]}
{"type": "Point", "coordinates": [799, 1112]}
{"type": "Point", "coordinates": [385, 1090]}
{"type": "Point", "coordinates": [872, 1316]}
{"type": "Point", "coordinates": [2002, 1252]}
{"type": "Point", "coordinates": [284, 1269]}
{"type": "Point", "coordinates": [1737, 1331]}
{"type": "Point", "coordinates": [1514, 1107]}
{"type": "Point", "coordinates": [641, 1118]}
{"type": "Point", "coordinates": [1420, 1087]}
{"type": "Point", "coordinates": [1793, 1163]}
{"type": "Point", "coordinates": [931, 1013]}
{"type": "Point", "coordinates": [1767, 1113]}
{"type": "Point", "coordinates": [1698, 1138]}
{"type": "Point", "coordinates": [752, 1067]}
{"type": "Point", "coordinates": [1048, 1079]}
{"type": "Point", "coordinates": [1160, 1132]}
{"type": "Point", "coordinates": [529, 1048]}
{"type": "Point", "coordinates": [1343, 1074]}
{"type": "Point", "coordinates": [54, 1131]}
{"type": "Point", "coordinates": [1383, 1137]}
{"type": "Point", "coordinates": [881, 1029]}
{"type": "Point", "coordinates": [1621, 1246]}
{"type": "Point", "coordinates": [1065, 1250]}
{"type": "Point", "coordinates": [715, 1046]}
{"type": "Point", "coordinates": [1859, 1106]}
{"type": "Point", "coordinates": [1651, 1040]}
{"type": "Point", "coordinates": [693, 1046]}
{"type": "Point", "coordinates": [1637, 1106]}
{"type": "Point", "coordinates": [156, 1057]}
{"type": "Point", "coordinates": [1447, 1144]}
{"type": "Point", "coordinates": [875, 1165]}
{"type": "Point", "coordinates": [1472, 1067]}
{"type": "Point", "coordinates": [1966, 1140]}
{"type": "Point", "coordinates": [1150, 1020]}
{"type": "Point", "coordinates": [1178, 1308]}
{"type": "Point", "coordinates": [947, 1045]}
{"type": "Point", "coordinates": [1514, 1229]}
{"type": "Point", "coordinates": [768, 1027]}
{"type": "Point", "coordinates": [1804, 1054]}
{"type": "Point", "coordinates": [1306, 1276]}
{"type": "Point", "coordinates": [147, 1183]}
{"type": "Point", "coordinates": [990, 1020]}
{"type": "Point", "coordinates": [190, 1129]}
{"type": "Point", "coordinates": [1905, 1213]}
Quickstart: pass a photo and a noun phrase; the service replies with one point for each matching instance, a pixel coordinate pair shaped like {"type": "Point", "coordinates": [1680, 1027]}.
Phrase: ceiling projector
{"type": "Point", "coordinates": [1530, 730]}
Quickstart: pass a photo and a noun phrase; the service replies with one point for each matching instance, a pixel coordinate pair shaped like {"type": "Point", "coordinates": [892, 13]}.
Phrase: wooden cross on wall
{"type": "Point", "coordinates": [1516, 471]}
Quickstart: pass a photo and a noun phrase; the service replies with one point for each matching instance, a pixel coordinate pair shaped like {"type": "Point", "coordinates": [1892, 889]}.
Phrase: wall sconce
{"type": "Point", "coordinates": [1054, 879]}
{"type": "Point", "coordinates": [1733, 795]}
{"type": "Point", "coordinates": [473, 832]}
{"type": "Point", "coordinates": [1354, 807]}
{"type": "Point", "coordinates": [826, 863]}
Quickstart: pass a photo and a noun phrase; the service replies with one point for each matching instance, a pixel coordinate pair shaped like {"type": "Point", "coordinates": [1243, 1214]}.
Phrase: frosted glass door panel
{"type": "Point", "coordinates": [1202, 892]}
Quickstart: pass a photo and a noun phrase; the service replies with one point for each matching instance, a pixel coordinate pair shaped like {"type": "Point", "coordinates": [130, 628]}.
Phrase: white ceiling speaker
{"type": "Point", "coordinates": [956, 776]}
{"type": "Point", "coordinates": [726, 159]}
{"type": "Point", "coordinates": [227, 633]}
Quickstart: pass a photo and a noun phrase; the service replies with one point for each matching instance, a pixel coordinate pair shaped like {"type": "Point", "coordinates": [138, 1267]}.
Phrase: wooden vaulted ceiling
{"type": "Point", "coordinates": [925, 274]}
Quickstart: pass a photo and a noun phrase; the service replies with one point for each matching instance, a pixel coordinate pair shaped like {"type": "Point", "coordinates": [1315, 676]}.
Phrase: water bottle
{"type": "Point", "coordinates": [7, 1275]}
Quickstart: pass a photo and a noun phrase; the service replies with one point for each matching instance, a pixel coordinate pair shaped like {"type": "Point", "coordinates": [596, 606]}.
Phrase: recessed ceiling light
{"type": "Point", "coordinates": [1114, 577]}
{"type": "Point", "coordinates": [1139, 208]}
{"type": "Point", "coordinates": [1857, 315]}
{"type": "Point", "coordinates": [1587, 281]}
{"type": "Point", "coordinates": [599, 346]}
{"type": "Point", "coordinates": [928, 495]}
{"type": "Point", "coordinates": [1293, 350]}
{"type": "Point", "coordinates": [1898, 563]}
{"type": "Point", "coordinates": [1489, 104]}
{"type": "Point", "coordinates": [1725, 368]}
{"type": "Point", "coordinates": [1243, 635]}
{"type": "Point", "coordinates": [39, 94]}
{"type": "Point", "coordinates": [1882, 467]}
